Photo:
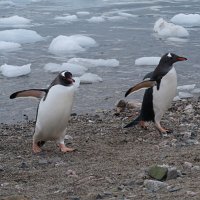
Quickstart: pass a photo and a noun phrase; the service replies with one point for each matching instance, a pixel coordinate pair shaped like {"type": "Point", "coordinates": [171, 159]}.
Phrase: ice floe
{"type": "Point", "coordinates": [186, 87]}
{"type": "Point", "coordinates": [187, 20]}
{"type": "Point", "coordinates": [75, 69]}
{"type": "Point", "coordinates": [185, 95]}
{"type": "Point", "coordinates": [20, 36]}
{"type": "Point", "coordinates": [147, 61]}
{"type": "Point", "coordinates": [94, 62]}
{"type": "Point", "coordinates": [9, 46]}
{"type": "Point", "coordinates": [71, 44]}
{"type": "Point", "coordinates": [165, 29]}
{"type": "Point", "coordinates": [68, 18]}
{"type": "Point", "coordinates": [14, 22]}
{"type": "Point", "coordinates": [97, 19]}
{"type": "Point", "coordinates": [83, 13]}
{"type": "Point", "coordinates": [90, 78]}
{"type": "Point", "coordinates": [15, 71]}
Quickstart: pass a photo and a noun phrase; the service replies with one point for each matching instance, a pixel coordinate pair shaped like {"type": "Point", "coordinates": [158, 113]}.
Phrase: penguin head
{"type": "Point", "coordinates": [171, 58]}
{"type": "Point", "coordinates": [66, 77]}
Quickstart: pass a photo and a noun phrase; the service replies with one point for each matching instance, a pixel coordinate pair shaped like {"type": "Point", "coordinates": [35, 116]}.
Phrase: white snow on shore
{"type": "Point", "coordinates": [165, 29]}
{"type": "Point", "coordinates": [20, 36]}
{"type": "Point", "coordinates": [14, 22]}
{"type": "Point", "coordinates": [71, 44]}
{"type": "Point", "coordinates": [147, 61]}
{"type": "Point", "coordinates": [187, 20]}
{"type": "Point", "coordinates": [15, 71]}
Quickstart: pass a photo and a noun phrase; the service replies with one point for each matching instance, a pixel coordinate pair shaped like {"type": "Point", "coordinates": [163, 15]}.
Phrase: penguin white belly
{"type": "Point", "coordinates": [163, 97]}
{"type": "Point", "coordinates": [54, 113]}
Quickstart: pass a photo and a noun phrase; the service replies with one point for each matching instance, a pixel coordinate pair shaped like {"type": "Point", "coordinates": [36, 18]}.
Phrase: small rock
{"type": "Point", "coordinates": [192, 142]}
{"type": "Point", "coordinates": [1, 168]}
{"type": "Point", "coordinates": [173, 189]}
{"type": "Point", "coordinates": [172, 173]}
{"type": "Point", "coordinates": [42, 162]}
{"type": "Point", "coordinates": [133, 104]}
{"type": "Point", "coordinates": [154, 185]}
{"type": "Point", "coordinates": [189, 109]}
{"type": "Point", "coordinates": [120, 106]}
{"type": "Point", "coordinates": [196, 168]}
{"type": "Point", "coordinates": [75, 198]}
{"type": "Point", "coordinates": [176, 98]}
{"type": "Point", "coordinates": [192, 194]}
{"type": "Point", "coordinates": [158, 172]}
{"type": "Point", "coordinates": [187, 165]}
{"type": "Point", "coordinates": [23, 165]}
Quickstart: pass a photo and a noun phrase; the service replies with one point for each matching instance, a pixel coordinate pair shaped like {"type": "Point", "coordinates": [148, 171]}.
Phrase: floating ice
{"type": "Point", "coordinates": [185, 95]}
{"type": "Point", "coordinates": [9, 46]}
{"type": "Point", "coordinates": [176, 98]}
{"type": "Point", "coordinates": [123, 14]}
{"type": "Point", "coordinates": [90, 78]}
{"type": "Point", "coordinates": [97, 19]}
{"type": "Point", "coordinates": [186, 87]}
{"type": "Point", "coordinates": [14, 22]}
{"type": "Point", "coordinates": [94, 62]}
{"type": "Point", "coordinates": [77, 82]}
{"type": "Point", "coordinates": [186, 20]}
{"type": "Point", "coordinates": [147, 61]}
{"type": "Point", "coordinates": [69, 18]}
{"type": "Point", "coordinates": [15, 71]}
{"type": "Point", "coordinates": [75, 69]}
{"type": "Point", "coordinates": [70, 44]}
{"type": "Point", "coordinates": [166, 29]}
{"type": "Point", "coordinates": [20, 36]}
{"type": "Point", "coordinates": [196, 91]}
{"type": "Point", "coordinates": [82, 13]}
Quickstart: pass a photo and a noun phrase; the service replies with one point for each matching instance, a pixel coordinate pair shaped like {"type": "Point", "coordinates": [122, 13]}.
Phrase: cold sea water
{"type": "Point", "coordinates": [124, 39]}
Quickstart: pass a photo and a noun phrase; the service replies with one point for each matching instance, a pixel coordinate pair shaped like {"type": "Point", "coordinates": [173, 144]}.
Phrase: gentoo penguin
{"type": "Point", "coordinates": [160, 91]}
{"type": "Point", "coordinates": [53, 110]}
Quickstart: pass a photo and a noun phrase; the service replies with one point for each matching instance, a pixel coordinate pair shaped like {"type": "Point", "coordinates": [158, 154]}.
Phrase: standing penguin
{"type": "Point", "coordinates": [53, 111]}
{"type": "Point", "coordinates": [161, 90]}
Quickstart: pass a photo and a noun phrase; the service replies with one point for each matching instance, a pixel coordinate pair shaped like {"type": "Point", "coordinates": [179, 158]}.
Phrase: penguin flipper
{"type": "Point", "coordinates": [133, 123]}
{"type": "Point", "coordinates": [141, 85]}
{"type": "Point", "coordinates": [37, 93]}
{"type": "Point", "coordinates": [148, 76]}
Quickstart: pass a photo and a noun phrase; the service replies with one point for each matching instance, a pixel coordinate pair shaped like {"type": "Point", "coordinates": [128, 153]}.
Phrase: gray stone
{"type": "Point", "coordinates": [158, 172]}
{"type": "Point", "coordinates": [42, 162]}
{"type": "Point", "coordinates": [154, 186]}
{"type": "Point", "coordinates": [172, 173]}
{"type": "Point", "coordinates": [196, 168]}
{"type": "Point", "coordinates": [187, 165]}
{"type": "Point", "coordinates": [192, 194]}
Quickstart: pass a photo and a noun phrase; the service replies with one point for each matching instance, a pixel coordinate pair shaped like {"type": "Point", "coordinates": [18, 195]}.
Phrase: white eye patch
{"type": "Point", "coordinates": [169, 55]}
{"type": "Point", "coordinates": [63, 73]}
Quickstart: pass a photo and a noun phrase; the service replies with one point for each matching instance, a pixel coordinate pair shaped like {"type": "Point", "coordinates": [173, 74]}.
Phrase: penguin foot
{"type": "Point", "coordinates": [143, 125]}
{"type": "Point", "coordinates": [162, 130]}
{"type": "Point", "coordinates": [65, 149]}
{"type": "Point", "coordinates": [36, 148]}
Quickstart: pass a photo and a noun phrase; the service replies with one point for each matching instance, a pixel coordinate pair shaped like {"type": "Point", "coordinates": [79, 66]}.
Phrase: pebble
{"type": "Point", "coordinates": [196, 168]}
{"type": "Point", "coordinates": [154, 185]}
{"type": "Point", "coordinates": [1, 168]}
{"type": "Point", "coordinates": [190, 193]}
{"type": "Point", "coordinates": [42, 162]}
{"type": "Point", "coordinates": [68, 137]}
{"type": "Point", "coordinates": [158, 172]}
{"type": "Point", "coordinates": [187, 165]}
{"type": "Point", "coordinates": [189, 109]}
{"type": "Point", "coordinates": [172, 173]}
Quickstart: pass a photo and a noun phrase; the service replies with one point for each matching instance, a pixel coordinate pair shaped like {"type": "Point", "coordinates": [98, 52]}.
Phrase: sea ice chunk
{"type": "Point", "coordinates": [165, 29]}
{"type": "Point", "coordinates": [20, 36]}
{"type": "Point", "coordinates": [83, 13]}
{"type": "Point", "coordinates": [69, 18]}
{"type": "Point", "coordinates": [15, 71]}
{"type": "Point", "coordinates": [70, 44]}
{"type": "Point", "coordinates": [147, 61]}
{"type": "Point", "coordinates": [94, 62]}
{"type": "Point", "coordinates": [97, 19]}
{"type": "Point", "coordinates": [186, 87]}
{"type": "Point", "coordinates": [14, 21]}
{"type": "Point", "coordinates": [187, 20]}
{"type": "Point", "coordinates": [90, 78]}
{"type": "Point", "coordinates": [185, 95]}
{"type": "Point", "coordinates": [9, 46]}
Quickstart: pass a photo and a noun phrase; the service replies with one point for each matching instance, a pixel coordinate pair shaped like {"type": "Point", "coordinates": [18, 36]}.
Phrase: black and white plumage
{"type": "Point", "coordinates": [53, 111]}
{"type": "Point", "coordinates": [160, 91]}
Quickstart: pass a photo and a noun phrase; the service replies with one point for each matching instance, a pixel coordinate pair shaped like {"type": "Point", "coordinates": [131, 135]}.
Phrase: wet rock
{"type": "Point", "coordinates": [15, 197]}
{"type": "Point", "coordinates": [158, 172]}
{"type": "Point", "coordinates": [189, 109]}
{"type": "Point", "coordinates": [120, 106]}
{"type": "Point", "coordinates": [23, 165]}
{"type": "Point", "coordinates": [75, 198]}
{"type": "Point", "coordinates": [154, 186]}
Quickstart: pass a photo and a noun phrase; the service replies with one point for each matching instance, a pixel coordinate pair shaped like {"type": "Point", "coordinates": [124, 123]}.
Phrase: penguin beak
{"type": "Point", "coordinates": [181, 58]}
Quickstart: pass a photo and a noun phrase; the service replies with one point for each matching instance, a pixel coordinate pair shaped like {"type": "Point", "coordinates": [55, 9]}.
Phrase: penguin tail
{"type": "Point", "coordinates": [133, 123]}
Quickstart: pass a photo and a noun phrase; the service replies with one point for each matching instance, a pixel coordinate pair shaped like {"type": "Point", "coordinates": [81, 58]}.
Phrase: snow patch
{"type": "Point", "coordinates": [20, 36]}
{"type": "Point", "coordinates": [15, 71]}
{"type": "Point", "coordinates": [187, 20]}
{"type": "Point", "coordinates": [147, 61]}
{"type": "Point", "coordinates": [14, 22]}
{"type": "Point", "coordinates": [165, 29]}
{"type": "Point", "coordinates": [71, 44]}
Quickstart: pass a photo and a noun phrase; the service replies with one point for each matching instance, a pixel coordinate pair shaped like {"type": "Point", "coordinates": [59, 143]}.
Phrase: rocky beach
{"type": "Point", "coordinates": [109, 162]}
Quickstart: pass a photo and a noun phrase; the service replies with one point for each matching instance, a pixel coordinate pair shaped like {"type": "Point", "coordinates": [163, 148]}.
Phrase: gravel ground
{"type": "Point", "coordinates": [109, 162]}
